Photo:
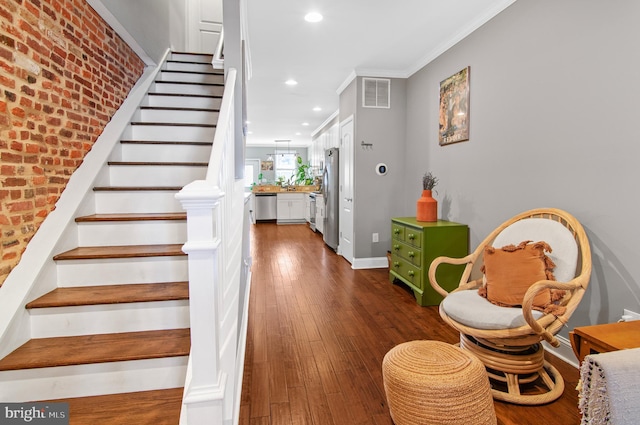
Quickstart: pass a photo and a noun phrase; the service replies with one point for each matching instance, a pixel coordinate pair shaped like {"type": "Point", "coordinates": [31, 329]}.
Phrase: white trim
{"type": "Point", "coordinates": [429, 56]}
{"type": "Point", "coordinates": [324, 123]}
{"type": "Point", "coordinates": [564, 352]}
{"type": "Point", "coordinates": [102, 10]}
{"type": "Point", "coordinates": [464, 32]}
{"type": "Point", "coordinates": [370, 263]}
{"type": "Point", "coordinates": [352, 76]}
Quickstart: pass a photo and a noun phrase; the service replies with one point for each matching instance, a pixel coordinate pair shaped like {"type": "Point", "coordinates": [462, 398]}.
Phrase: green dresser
{"type": "Point", "coordinates": [414, 245]}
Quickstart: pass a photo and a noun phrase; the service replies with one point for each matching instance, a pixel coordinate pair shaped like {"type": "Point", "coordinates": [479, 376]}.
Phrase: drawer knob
{"type": "Point", "coordinates": [396, 247]}
{"type": "Point", "coordinates": [412, 236]}
{"type": "Point", "coordinates": [411, 273]}
{"type": "Point", "coordinates": [396, 264]}
{"type": "Point", "coordinates": [411, 254]}
{"type": "Point", "coordinates": [396, 231]}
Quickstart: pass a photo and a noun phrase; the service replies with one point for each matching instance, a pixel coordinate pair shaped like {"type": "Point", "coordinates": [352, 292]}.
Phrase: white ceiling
{"type": "Point", "coordinates": [376, 38]}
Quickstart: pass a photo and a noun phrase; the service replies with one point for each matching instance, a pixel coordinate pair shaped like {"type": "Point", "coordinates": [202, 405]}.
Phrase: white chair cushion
{"type": "Point", "coordinates": [470, 309]}
{"type": "Point", "coordinates": [563, 245]}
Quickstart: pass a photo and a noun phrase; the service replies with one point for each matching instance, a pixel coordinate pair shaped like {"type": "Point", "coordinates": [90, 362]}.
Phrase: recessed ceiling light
{"type": "Point", "coordinates": [291, 82]}
{"type": "Point", "coordinates": [313, 17]}
{"type": "Point", "coordinates": [317, 109]}
{"type": "Point", "coordinates": [298, 134]}
{"type": "Point", "coordinates": [305, 124]}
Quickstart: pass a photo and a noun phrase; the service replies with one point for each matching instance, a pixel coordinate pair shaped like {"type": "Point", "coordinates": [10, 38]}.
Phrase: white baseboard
{"type": "Point", "coordinates": [370, 263]}
{"type": "Point", "coordinates": [564, 352]}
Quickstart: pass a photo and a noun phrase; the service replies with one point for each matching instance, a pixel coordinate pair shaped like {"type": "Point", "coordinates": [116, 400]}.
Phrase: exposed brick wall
{"type": "Point", "coordinates": [63, 74]}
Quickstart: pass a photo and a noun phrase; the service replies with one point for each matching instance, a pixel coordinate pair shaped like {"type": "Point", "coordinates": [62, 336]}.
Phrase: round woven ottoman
{"type": "Point", "coordinates": [432, 382]}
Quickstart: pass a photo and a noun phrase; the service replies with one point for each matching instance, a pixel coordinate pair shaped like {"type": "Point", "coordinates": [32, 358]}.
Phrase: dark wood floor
{"type": "Point", "coordinates": [318, 332]}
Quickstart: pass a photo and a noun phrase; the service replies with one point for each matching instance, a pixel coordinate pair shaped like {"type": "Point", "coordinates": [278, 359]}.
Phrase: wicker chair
{"type": "Point", "coordinates": [507, 339]}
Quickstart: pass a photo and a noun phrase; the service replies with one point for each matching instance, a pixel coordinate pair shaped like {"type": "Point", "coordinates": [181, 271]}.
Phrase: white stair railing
{"type": "Point", "coordinates": [218, 55]}
{"type": "Point", "coordinates": [215, 209]}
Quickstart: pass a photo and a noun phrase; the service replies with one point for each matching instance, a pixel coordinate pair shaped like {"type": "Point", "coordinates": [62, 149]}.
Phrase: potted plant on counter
{"type": "Point", "coordinates": [302, 176]}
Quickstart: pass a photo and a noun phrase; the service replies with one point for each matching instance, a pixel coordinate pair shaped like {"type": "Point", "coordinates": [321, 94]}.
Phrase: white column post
{"type": "Point", "coordinates": [204, 396]}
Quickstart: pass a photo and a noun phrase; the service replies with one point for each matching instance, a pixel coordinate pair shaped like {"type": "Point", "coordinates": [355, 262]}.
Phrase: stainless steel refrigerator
{"type": "Point", "coordinates": [330, 189]}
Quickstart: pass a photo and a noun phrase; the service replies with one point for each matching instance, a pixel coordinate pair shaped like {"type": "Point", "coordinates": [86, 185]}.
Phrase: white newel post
{"type": "Point", "coordinates": [204, 396]}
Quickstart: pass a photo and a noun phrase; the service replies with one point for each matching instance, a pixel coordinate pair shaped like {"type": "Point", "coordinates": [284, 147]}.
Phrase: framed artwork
{"type": "Point", "coordinates": [266, 166]}
{"type": "Point", "coordinates": [454, 108]}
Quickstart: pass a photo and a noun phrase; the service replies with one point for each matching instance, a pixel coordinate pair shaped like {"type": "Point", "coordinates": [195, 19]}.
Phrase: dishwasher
{"type": "Point", "coordinates": [266, 205]}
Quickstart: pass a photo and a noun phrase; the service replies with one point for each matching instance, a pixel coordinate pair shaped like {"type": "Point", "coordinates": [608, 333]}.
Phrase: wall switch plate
{"type": "Point", "coordinates": [374, 237]}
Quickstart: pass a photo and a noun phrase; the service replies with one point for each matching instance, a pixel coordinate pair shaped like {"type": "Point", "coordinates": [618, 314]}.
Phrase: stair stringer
{"type": "Point", "coordinates": [36, 272]}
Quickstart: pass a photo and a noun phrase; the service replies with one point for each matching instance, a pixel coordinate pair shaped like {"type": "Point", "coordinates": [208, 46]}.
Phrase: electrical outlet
{"type": "Point", "coordinates": [374, 237]}
{"type": "Point", "coordinates": [629, 315]}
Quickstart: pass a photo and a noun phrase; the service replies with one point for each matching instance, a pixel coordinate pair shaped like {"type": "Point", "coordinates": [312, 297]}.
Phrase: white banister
{"type": "Point", "coordinates": [218, 56]}
{"type": "Point", "coordinates": [214, 247]}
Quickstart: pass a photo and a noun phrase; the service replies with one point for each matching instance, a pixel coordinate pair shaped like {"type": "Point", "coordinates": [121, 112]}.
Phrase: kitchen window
{"type": "Point", "coordinates": [285, 165]}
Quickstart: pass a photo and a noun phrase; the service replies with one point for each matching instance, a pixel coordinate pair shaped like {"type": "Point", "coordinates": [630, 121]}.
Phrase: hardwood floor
{"type": "Point", "coordinates": [318, 332]}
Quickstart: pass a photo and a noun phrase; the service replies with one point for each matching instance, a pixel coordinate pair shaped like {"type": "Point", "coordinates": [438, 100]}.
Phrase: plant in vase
{"type": "Point", "coordinates": [427, 207]}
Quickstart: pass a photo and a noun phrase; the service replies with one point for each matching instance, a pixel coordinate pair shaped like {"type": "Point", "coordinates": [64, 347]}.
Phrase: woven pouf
{"type": "Point", "coordinates": [432, 382]}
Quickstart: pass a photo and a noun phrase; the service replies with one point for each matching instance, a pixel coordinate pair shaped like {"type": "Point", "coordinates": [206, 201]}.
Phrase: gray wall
{"type": "Point", "coordinates": [385, 129]}
{"type": "Point", "coordinates": [554, 97]}
{"type": "Point", "coordinates": [155, 24]}
{"type": "Point", "coordinates": [376, 198]}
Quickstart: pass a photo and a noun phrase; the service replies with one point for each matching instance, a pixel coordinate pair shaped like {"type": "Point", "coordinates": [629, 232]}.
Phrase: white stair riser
{"type": "Point", "coordinates": [177, 116]}
{"type": "Point", "coordinates": [167, 133]}
{"type": "Point", "coordinates": [94, 379]}
{"type": "Point", "coordinates": [155, 175]}
{"type": "Point", "coordinates": [76, 273]}
{"type": "Point", "coordinates": [113, 202]}
{"type": "Point", "coordinates": [164, 153]}
{"type": "Point", "coordinates": [132, 232]}
{"type": "Point", "coordinates": [159, 87]}
{"type": "Point", "coordinates": [191, 57]}
{"type": "Point", "coordinates": [191, 77]}
{"type": "Point", "coordinates": [109, 318]}
{"type": "Point", "coordinates": [182, 101]}
{"type": "Point", "coordinates": [195, 67]}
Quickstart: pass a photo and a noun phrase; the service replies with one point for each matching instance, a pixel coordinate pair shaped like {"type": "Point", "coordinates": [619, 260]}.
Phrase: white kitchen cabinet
{"type": "Point", "coordinates": [319, 213]}
{"type": "Point", "coordinates": [291, 207]}
{"type": "Point", "coordinates": [307, 208]}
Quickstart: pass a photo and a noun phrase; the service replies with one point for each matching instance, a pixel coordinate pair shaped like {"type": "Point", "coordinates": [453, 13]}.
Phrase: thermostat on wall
{"type": "Point", "coordinates": [381, 169]}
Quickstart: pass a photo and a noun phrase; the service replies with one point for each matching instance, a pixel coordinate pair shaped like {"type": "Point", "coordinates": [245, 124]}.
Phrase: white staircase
{"type": "Point", "coordinates": [118, 321]}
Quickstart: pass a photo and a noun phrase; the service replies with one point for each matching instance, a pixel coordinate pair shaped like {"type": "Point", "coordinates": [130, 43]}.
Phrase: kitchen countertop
{"type": "Point", "coordinates": [278, 189]}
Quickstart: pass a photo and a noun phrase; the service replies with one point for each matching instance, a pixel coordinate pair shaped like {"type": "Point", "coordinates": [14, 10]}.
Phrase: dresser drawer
{"type": "Point", "coordinates": [413, 236]}
{"type": "Point", "coordinates": [397, 231]}
{"type": "Point", "coordinates": [407, 252]}
{"type": "Point", "coordinates": [406, 271]}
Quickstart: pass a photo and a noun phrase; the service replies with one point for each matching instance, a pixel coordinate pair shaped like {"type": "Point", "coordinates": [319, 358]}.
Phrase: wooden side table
{"type": "Point", "coordinates": [603, 338]}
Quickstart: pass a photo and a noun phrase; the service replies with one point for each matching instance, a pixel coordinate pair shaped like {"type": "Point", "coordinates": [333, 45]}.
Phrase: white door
{"type": "Point", "coordinates": [204, 25]}
{"type": "Point", "coordinates": [346, 189]}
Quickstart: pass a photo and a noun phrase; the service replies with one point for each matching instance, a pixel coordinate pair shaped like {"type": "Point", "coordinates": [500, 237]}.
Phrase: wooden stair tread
{"type": "Point", "coordinates": [218, 96]}
{"type": "Point", "coordinates": [164, 142]}
{"type": "Point", "coordinates": [131, 217]}
{"type": "Point", "coordinates": [213, 71]}
{"type": "Point", "coordinates": [157, 407]}
{"type": "Point", "coordinates": [184, 164]}
{"type": "Point", "coordinates": [120, 251]}
{"type": "Point", "coordinates": [172, 124]}
{"type": "Point", "coordinates": [176, 108]}
{"type": "Point", "coordinates": [125, 188]}
{"type": "Point", "coordinates": [189, 83]}
{"type": "Point", "coordinates": [101, 348]}
{"type": "Point", "coordinates": [112, 294]}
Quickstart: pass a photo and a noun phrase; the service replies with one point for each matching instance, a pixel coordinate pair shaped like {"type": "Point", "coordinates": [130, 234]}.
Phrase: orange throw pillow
{"type": "Point", "coordinates": [511, 270]}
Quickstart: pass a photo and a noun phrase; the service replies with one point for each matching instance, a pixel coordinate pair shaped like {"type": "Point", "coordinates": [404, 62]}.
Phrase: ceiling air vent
{"type": "Point", "coordinates": [376, 93]}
